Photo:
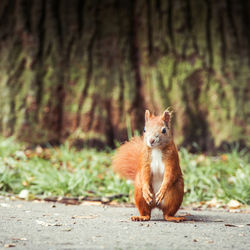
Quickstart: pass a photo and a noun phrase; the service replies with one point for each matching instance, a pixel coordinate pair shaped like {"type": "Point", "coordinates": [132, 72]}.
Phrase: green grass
{"type": "Point", "coordinates": [58, 172]}
{"type": "Point", "coordinates": [225, 177]}
{"type": "Point", "coordinates": [63, 171]}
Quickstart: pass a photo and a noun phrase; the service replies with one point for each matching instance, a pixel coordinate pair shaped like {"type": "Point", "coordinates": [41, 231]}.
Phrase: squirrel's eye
{"type": "Point", "coordinates": [163, 130]}
{"type": "Point", "coordinates": [144, 130]}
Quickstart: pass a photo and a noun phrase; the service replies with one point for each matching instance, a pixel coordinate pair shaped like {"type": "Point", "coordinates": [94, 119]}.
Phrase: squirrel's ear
{"type": "Point", "coordinates": [147, 115]}
{"type": "Point", "coordinates": [167, 115]}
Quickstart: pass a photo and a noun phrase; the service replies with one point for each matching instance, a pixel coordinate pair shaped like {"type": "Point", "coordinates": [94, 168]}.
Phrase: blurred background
{"type": "Point", "coordinates": [86, 70]}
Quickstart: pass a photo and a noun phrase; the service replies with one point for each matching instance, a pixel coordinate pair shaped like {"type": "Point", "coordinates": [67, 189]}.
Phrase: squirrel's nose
{"type": "Point", "coordinates": [152, 141]}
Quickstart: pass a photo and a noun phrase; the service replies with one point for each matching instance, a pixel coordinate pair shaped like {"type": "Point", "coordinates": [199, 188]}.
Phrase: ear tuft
{"type": "Point", "coordinates": [167, 115]}
{"type": "Point", "coordinates": [147, 115]}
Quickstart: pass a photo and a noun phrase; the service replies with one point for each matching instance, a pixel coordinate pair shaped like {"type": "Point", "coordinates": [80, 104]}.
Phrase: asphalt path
{"type": "Point", "coordinates": [44, 225]}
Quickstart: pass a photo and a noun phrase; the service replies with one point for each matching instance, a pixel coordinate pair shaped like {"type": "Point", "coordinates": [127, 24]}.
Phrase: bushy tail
{"type": "Point", "coordinates": [127, 158]}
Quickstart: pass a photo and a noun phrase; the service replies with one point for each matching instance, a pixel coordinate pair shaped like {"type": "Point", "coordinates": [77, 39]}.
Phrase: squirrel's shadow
{"type": "Point", "coordinates": [193, 219]}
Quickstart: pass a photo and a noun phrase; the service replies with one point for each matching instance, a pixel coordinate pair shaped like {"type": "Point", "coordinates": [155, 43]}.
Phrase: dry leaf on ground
{"type": "Point", "coordinates": [233, 225]}
{"type": "Point", "coordinates": [91, 216]}
{"type": "Point", "coordinates": [234, 204]}
{"type": "Point", "coordinates": [22, 239]}
{"type": "Point", "coordinates": [9, 245]}
{"type": "Point", "coordinates": [46, 224]}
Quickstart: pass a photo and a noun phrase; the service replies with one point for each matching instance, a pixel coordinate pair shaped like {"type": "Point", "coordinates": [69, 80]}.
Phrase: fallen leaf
{"type": "Point", "coordinates": [67, 229]}
{"type": "Point", "coordinates": [233, 225]}
{"type": "Point", "coordinates": [223, 157]}
{"type": "Point", "coordinates": [46, 224]}
{"type": "Point", "coordinates": [28, 153]}
{"type": "Point", "coordinates": [39, 150]}
{"type": "Point", "coordinates": [234, 204]}
{"type": "Point", "coordinates": [9, 245]}
{"type": "Point", "coordinates": [23, 239]}
{"type": "Point", "coordinates": [105, 200]}
{"type": "Point", "coordinates": [25, 183]}
{"type": "Point", "coordinates": [231, 179]}
{"type": "Point", "coordinates": [26, 195]}
{"type": "Point", "coordinates": [42, 223]}
{"type": "Point", "coordinates": [20, 155]}
{"type": "Point", "coordinates": [214, 203]}
{"type": "Point", "coordinates": [201, 158]}
{"type": "Point", "coordinates": [84, 216]}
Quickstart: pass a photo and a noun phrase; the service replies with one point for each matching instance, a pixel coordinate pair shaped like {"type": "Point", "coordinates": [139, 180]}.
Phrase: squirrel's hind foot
{"type": "Point", "coordinates": [174, 219]}
{"type": "Point", "coordinates": [140, 218]}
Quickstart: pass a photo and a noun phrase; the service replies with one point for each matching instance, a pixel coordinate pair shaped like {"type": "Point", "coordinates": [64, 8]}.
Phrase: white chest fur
{"type": "Point", "coordinates": [157, 169]}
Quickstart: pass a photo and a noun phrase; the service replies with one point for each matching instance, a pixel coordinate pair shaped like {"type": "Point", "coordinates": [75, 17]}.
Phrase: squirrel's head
{"type": "Point", "coordinates": [157, 130]}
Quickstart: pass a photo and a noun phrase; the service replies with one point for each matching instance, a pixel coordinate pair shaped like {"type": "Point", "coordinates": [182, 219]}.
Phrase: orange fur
{"type": "Point", "coordinates": [133, 160]}
{"type": "Point", "coordinates": [126, 160]}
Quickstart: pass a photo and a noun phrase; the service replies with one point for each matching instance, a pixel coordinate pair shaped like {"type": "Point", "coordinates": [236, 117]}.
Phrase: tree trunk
{"type": "Point", "coordinates": [87, 69]}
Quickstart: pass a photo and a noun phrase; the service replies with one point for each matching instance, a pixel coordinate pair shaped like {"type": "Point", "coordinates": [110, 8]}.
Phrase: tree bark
{"type": "Point", "coordinates": [82, 68]}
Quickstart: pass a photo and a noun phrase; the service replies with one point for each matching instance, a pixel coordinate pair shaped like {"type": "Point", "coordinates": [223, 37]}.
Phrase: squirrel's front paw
{"type": "Point", "coordinates": [147, 195]}
{"type": "Point", "coordinates": [159, 196]}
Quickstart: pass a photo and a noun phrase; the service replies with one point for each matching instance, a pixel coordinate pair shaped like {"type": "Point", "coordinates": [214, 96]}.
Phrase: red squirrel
{"type": "Point", "coordinates": [152, 162]}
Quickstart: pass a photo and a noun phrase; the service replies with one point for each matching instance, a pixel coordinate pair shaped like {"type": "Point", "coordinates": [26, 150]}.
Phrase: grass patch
{"type": "Point", "coordinates": [63, 171]}
{"type": "Point", "coordinates": [58, 171]}
{"type": "Point", "coordinates": [225, 177]}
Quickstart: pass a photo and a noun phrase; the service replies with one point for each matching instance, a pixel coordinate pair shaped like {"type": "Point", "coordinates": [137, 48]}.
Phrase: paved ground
{"type": "Point", "coordinates": [33, 225]}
